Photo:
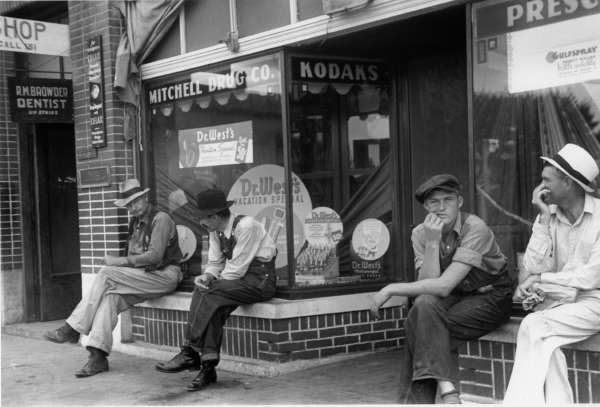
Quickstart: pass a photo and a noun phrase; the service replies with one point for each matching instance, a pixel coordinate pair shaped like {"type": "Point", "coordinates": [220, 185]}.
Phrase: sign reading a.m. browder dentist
{"type": "Point", "coordinates": [37, 100]}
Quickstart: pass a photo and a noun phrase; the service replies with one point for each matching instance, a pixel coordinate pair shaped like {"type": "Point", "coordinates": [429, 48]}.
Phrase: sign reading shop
{"type": "Point", "coordinates": [34, 37]}
{"type": "Point", "coordinates": [335, 70]}
{"type": "Point", "coordinates": [37, 100]}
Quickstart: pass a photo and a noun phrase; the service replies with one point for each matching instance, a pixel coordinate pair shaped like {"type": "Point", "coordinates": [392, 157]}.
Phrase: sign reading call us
{"type": "Point", "coordinates": [34, 37]}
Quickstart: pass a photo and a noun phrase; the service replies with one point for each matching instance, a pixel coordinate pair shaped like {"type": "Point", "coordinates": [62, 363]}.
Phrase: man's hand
{"type": "Point", "coordinates": [524, 289]}
{"type": "Point", "coordinates": [537, 199]}
{"type": "Point", "coordinates": [377, 301]}
{"type": "Point", "coordinates": [203, 280]}
{"type": "Point", "coordinates": [115, 260]}
{"type": "Point", "coordinates": [433, 228]}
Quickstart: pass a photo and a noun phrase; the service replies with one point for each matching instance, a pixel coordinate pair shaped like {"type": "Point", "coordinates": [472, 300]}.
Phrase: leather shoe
{"type": "Point", "coordinates": [63, 334]}
{"type": "Point", "coordinates": [207, 376]}
{"type": "Point", "coordinates": [97, 363]}
{"type": "Point", "coordinates": [186, 359]}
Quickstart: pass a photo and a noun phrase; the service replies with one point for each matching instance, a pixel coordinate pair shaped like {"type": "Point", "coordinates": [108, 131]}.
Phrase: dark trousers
{"type": "Point", "coordinates": [211, 307]}
{"type": "Point", "coordinates": [435, 327]}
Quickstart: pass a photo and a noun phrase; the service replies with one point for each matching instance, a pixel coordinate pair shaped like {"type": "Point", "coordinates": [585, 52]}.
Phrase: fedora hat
{"type": "Point", "coordinates": [211, 201]}
{"type": "Point", "coordinates": [577, 164]}
{"type": "Point", "coordinates": [129, 190]}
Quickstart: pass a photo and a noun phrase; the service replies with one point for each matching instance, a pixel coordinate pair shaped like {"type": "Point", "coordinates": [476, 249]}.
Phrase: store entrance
{"type": "Point", "coordinates": [58, 267]}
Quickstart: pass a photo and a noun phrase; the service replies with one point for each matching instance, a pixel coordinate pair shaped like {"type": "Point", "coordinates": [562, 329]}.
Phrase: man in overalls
{"type": "Point", "coordinates": [240, 270]}
{"type": "Point", "coordinates": [463, 291]}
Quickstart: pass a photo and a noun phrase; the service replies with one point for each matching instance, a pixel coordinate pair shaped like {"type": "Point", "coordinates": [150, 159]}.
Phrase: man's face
{"type": "Point", "coordinates": [210, 223]}
{"type": "Point", "coordinates": [138, 206]}
{"type": "Point", "coordinates": [555, 182]}
{"type": "Point", "coordinates": [445, 205]}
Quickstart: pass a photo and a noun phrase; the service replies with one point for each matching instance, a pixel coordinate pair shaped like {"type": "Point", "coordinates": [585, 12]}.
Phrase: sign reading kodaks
{"type": "Point", "coordinates": [34, 37]}
{"type": "Point", "coordinates": [225, 144]}
{"type": "Point", "coordinates": [335, 70]}
{"type": "Point", "coordinates": [36, 100]}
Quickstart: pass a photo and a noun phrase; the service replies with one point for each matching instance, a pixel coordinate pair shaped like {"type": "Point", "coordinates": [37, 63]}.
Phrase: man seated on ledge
{"type": "Point", "coordinates": [240, 270]}
{"type": "Point", "coordinates": [149, 269]}
{"type": "Point", "coordinates": [563, 262]}
{"type": "Point", "coordinates": [463, 291]}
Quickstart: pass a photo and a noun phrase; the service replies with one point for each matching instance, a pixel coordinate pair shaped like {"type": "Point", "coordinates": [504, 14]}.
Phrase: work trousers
{"type": "Point", "coordinates": [113, 291]}
{"type": "Point", "coordinates": [211, 307]}
{"type": "Point", "coordinates": [435, 327]}
{"type": "Point", "coordinates": [539, 375]}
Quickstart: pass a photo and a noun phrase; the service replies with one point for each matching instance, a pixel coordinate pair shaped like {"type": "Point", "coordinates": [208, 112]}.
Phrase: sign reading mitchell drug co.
{"type": "Point", "coordinates": [34, 37]}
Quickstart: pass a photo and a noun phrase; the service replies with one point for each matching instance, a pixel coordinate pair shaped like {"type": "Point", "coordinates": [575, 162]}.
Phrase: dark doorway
{"type": "Point", "coordinates": [58, 268]}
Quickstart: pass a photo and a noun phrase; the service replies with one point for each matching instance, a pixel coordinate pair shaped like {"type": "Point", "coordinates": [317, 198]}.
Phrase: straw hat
{"type": "Point", "coordinates": [577, 164]}
{"type": "Point", "coordinates": [129, 190]}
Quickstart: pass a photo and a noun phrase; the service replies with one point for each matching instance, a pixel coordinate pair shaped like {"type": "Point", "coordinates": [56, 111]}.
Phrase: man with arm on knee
{"type": "Point", "coordinates": [149, 269]}
{"type": "Point", "coordinates": [563, 255]}
{"type": "Point", "coordinates": [463, 291]}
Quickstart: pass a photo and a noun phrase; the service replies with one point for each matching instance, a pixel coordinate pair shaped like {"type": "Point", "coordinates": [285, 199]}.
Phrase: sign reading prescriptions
{"type": "Point", "coordinates": [260, 193]}
{"type": "Point", "coordinates": [34, 37]}
{"type": "Point", "coordinates": [225, 144]}
{"type": "Point", "coordinates": [544, 57]}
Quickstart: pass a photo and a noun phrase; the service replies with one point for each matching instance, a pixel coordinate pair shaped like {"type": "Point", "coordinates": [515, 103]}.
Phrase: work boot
{"type": "Point", "coordinates": [188, 358]}
{"type": "Point", "coordinates": [63, 334]}
{"type": "Point", "coordinates": [97, 363]}
{"type": "Point", "coordinates": [207, 375]}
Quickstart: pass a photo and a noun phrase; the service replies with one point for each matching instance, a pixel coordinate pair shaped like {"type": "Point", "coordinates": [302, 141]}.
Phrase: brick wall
{"type": "Point", "coordinates": [281, 340]}
{"type": "Point", "coordinates": [102, 226]}
{"type": "Point", "coordinates": [485, 369]}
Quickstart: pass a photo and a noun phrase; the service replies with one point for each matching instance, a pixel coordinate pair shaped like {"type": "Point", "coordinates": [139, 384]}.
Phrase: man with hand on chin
{"type": "Point", "coordinates": [463, 291]}
{"type": "Point", "coordinates": [563, 256]}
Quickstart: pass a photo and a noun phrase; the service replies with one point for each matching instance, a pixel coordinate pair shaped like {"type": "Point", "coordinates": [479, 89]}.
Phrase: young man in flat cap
{"type": "Point", "coordinates": [240, 270]}
{"type": "Point", "coordinates": [149, 269]}
{"type": "Point", "coordinates": [563, 256]}
{"type": "Point", "coordinates": [463, 291]}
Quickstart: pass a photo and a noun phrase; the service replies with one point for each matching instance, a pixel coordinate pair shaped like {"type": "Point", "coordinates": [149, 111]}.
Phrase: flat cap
{"type": "Point", "coordinates": [444, 182]}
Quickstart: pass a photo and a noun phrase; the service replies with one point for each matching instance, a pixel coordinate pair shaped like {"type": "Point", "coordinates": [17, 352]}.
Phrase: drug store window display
{"type": "Point", "coordinates": [535, 89]}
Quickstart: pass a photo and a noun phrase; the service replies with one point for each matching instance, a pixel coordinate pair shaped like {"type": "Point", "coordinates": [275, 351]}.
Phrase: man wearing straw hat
{"type": "Point", "coordinates": [149, 269]}
{"type": "Point", "coordinates": [240, 270]}
{"type": "Point", "coordinates": [563, 263]}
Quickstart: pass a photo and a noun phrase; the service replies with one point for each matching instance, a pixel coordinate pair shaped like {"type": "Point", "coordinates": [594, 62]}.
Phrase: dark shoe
{"type": "Point", "coordinates": [63, 334]}
{"type": "Point", "coordinates": [97, 363]}
{"type": "Point", "coordinates": [186, 359]}
{"type": "Point", "coordinates": [207, 376]}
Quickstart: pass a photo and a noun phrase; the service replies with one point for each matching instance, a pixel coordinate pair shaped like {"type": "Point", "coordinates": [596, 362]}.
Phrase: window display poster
{"type": "Point", "coordinates": [260, 193]}
{"type": "Point", "coordinates": [318, 261]}
{"type": "Point", "coordinates": [370, 241]}
{"type": "Point", "coordinates": [224, 144]}
{"type": "Point", "coordinates": [544, 56]}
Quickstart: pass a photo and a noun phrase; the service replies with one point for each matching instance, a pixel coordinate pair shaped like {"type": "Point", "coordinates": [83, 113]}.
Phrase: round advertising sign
{"type": "Point", "coordinates": [260, 193]}
{"type": "Point", "coordinates": [323, 227]}
{"type": "Point", "coordinates": [370, 239]}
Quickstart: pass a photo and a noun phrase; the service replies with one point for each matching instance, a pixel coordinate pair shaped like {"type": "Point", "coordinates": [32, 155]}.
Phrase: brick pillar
{"type": "Point", "coordinates": [102, 227]}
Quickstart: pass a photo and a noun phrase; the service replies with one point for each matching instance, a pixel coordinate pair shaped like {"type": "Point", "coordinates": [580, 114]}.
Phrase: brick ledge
{"type": "Point", "coordinates": [508, 333]}
{"type": "Point", "coordinates": [278, 308]}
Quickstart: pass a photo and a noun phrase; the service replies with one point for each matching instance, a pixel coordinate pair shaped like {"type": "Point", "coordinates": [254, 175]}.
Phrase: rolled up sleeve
{"type": "Point", "coordinates": [538, 256]}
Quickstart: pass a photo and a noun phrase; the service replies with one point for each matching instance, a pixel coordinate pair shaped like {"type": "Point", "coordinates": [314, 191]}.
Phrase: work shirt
{"type": "Point", "coordinates": [252, 241]}
{"type": "Point", "coordinates": [163, 233]}
{"type": "Point", "coordinates": [567, 254]}
{"type": "Point", "coordinates": [477, 245]}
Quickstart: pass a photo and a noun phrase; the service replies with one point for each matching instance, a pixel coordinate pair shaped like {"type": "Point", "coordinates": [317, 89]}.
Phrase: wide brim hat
{"type": "Point", "coordinates": [444, 182]}
{"type": "Point", "coordinates": [210, 202]}
{"type": "Point", "coordinates": [576, 163]}
{"type": "Point", "coordinates": [129, 191]}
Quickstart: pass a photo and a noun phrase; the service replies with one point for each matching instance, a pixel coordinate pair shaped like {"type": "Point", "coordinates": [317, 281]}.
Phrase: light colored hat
{"type": "Point", "coordinates": [129, 190]}
{"type": "Point", "coordinates": [577, 164]}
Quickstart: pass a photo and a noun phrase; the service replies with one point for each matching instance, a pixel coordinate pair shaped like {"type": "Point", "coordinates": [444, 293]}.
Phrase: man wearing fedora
{"type": "Point", "coordinates": [148, 269]}
{"type": "Point", "coordinates": [463, 291]}
{"type": "Point", "coordinates": [563, 251]}
{"type": "Point", "coordinates": [240, 270]}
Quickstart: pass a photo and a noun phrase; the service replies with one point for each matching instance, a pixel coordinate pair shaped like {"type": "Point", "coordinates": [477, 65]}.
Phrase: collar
{"type": "Point", "coordinates": [588, 207]}
{"type": "Point", "coordinates": [145, 218]}
{"type": "Point", "coordinates": [229, 225]}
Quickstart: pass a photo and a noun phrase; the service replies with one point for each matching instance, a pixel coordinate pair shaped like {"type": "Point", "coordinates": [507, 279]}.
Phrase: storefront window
{"type": "Point", "coordinates": [536, 77]}
{"type": "Point", "coordinates": [340, 149]}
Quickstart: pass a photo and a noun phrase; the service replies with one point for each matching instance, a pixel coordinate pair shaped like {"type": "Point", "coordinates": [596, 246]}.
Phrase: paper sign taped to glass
{"type": "Point", "coordinates": [224, 144]}
{"type": "Point", "coordinates": [544, 57]}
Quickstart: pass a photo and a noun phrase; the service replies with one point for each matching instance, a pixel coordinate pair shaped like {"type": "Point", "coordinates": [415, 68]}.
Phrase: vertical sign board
{"type": "Point", "coordinates": [96, 88]}
{"type": "Point", "coordinates": [40, 100]}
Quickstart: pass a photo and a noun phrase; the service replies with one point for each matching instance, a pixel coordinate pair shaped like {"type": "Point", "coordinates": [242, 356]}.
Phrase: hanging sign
{"type": "Point", "coordinates": [36, 100]}
{"type": "Point", "coordinates": [225, 144]}
{"type": "Point", "coordinates": [33, 37]}
{"type": "Point", "coordinates": [96, 91]}
{"type": "Point", "coordinates": [335, 70]}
